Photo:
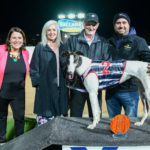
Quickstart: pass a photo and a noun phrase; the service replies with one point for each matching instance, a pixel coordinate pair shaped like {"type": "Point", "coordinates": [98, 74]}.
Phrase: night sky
{"type": "Point", "coordinates": [30, 15]}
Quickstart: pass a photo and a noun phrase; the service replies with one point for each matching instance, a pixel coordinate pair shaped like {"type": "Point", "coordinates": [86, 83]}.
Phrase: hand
{"type": "Point", "coordinates": [148, 69]}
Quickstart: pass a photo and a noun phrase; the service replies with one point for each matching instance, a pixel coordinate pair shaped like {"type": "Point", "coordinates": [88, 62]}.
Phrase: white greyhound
{"type": "Point", "coordinates": [82, 66]}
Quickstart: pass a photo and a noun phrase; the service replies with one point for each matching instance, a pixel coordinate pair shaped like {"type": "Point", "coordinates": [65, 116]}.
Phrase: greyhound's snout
{"type": "Point", "coordinates": [70, 75]}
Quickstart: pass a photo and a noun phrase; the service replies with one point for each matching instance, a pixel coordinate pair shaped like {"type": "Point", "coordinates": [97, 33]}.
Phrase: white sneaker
{"type": "Point", "coordinates": [2, 144]}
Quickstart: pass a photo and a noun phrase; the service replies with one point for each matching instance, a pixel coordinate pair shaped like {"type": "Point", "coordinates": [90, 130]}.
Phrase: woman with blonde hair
{"type": "Point", "coordinates": [51, 98]}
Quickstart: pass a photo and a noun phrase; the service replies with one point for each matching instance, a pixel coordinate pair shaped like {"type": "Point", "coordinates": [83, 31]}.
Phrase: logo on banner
{"type": "Point", "coordinates": [68, 25]}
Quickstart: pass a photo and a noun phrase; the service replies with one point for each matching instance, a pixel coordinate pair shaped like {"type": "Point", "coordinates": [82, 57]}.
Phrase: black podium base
{"type": "Point", "coordinates": [73, 131]}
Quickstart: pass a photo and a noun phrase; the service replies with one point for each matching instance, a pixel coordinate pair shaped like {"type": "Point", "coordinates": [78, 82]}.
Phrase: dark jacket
{"type": "Point", "coordinates": [130, 47]}
{"type": "Point", "coordinates": [50, 100]}
{"type": "Point", "coordinates": [97, 51]}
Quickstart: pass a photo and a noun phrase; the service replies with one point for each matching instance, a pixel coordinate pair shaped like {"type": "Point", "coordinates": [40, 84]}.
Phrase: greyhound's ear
{"type": "Point", "coordinates": [65, 53]}
{"type": "Point", "coordinates": [79, 53]}
{"type": "Point", "coordinates": [64, 60]}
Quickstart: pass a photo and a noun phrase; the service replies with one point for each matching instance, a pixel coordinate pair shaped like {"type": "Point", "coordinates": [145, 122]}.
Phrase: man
{"type": "Point", "coordinates": [92, 46]}
{"type": "Point", "coordinates": [125, 44]}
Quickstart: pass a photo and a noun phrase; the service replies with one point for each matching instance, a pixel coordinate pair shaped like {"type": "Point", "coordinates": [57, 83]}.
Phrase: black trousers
{"type": "Point", "coordinates": [18, 109]}
{"type": "Point", "coordinates": [77, 103]}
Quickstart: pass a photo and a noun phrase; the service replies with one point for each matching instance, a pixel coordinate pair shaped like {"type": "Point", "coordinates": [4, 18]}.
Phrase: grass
{"type": "Point", "coordinates": [29, 124]}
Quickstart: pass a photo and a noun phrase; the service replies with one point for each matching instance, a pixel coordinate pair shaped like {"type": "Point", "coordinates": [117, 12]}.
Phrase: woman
{"type": "Point", "coordinates": [13, 70]}
{"type": "Point", "coordinates": [51, 98]}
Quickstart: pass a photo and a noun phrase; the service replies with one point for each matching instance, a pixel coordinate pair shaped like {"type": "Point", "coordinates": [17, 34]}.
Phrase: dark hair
{"type": "Point", "coordinates": [15, 29]}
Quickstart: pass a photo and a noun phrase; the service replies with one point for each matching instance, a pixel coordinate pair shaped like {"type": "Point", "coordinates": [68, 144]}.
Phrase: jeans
{"type": "Point", "coordinates": [128, 100]}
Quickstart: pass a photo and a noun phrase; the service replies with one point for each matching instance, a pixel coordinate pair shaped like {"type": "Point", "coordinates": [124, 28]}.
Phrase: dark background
{"type": "Point", "coordinates": [30, 15]}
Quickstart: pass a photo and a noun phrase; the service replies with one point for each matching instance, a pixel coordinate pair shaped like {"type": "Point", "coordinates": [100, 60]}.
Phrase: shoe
{"type": "Point", "coordinates": [1, 144]}
{"type": "Point", "coordinates": [2, 141]}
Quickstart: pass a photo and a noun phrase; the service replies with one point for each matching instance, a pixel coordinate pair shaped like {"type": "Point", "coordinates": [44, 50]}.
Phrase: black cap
{"type": "Point", "coordinates": [91, 17]}
{"type": "Point", "coordinates": [121, 15]}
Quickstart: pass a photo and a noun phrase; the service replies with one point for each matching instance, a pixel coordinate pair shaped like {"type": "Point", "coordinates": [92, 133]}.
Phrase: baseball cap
{"type": "Point", "coordinates": [91, 17]}
{"type": "Point", "coordinates": [121, 15]}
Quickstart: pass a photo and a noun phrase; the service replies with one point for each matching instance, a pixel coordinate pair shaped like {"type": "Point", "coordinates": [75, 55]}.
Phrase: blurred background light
{"type": "Point", "coordinates": [77, 16]}
{"type": "Point", "coordinates": [61, 16]}
{"type": "Point", "coordinates": [81, 15]}
{"type": "Point", "coordinates": [71, 16]}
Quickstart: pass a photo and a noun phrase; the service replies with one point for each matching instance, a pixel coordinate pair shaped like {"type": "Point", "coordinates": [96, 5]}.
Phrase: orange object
{"type": "Point", "coordinates": [120, 124]}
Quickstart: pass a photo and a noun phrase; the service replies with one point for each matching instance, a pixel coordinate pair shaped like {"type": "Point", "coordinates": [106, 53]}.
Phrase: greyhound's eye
{"type": "Point", "coordinates": [76, 59]}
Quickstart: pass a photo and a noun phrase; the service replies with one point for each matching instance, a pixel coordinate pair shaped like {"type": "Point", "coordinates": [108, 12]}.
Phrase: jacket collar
{"type": "Point", "coordinates": [82, 38]}
{"type": "Point", "coordinates": [124, 39]}
{"type": "Point", "coordinates": [128, 37]}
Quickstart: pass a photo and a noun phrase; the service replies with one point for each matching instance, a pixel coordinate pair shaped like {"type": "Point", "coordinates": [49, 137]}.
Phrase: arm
{"type": "Point", "coordinates": [144, 51]}
{"type": "Point", "coordinates": [107, 52]}
{"type": "Point", "coordinates": [69, 45]}
{"type": "Point", "coordinates": [34, 67]}
{"type": "Point", "coordinates": [26, 59]}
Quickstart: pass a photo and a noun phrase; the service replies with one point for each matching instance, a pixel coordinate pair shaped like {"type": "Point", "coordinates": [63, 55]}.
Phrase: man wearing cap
{"type": "Point", "coordinates": [92, 46]}
{"type": "Point", "coordinates": [125, 44]}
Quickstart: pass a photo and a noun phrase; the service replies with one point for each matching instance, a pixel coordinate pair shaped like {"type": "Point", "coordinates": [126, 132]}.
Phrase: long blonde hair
{"type": "Point", "coordinates": [44, 32]}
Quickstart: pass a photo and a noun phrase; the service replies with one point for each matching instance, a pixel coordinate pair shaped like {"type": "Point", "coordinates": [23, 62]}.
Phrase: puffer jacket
{"type": "Point", "coordinates": [130, 47]}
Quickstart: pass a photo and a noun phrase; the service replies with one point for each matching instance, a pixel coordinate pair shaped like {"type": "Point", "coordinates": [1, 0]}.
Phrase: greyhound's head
{"type": "Point", "coordinates": [73, 62]}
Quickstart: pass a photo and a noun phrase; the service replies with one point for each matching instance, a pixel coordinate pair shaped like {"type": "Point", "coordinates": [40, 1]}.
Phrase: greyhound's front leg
{"type": "Point", "coordinates": [91, 83]}
{"type": "Point", "coordinates": [95, 109]}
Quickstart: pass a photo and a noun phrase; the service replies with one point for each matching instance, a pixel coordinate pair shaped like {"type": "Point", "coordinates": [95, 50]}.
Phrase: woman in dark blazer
{"type": "Point", "coordinates": [51, 97]}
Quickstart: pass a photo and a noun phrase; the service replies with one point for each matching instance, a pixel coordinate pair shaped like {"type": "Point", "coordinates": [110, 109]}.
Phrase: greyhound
{"type": "Point", "coordinates": [83, 66]}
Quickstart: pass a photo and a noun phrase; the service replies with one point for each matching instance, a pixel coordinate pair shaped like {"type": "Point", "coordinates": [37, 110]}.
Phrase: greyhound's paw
{"type": "Point", "coordinates": [138, 123]}
{"type": "Point", "coordinates": [91, 126]}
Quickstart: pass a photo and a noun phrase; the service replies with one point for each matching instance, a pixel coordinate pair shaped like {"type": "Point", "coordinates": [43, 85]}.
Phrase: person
{"type": "Point", "coordinates": [125, 44]}
{"type": "Point", "coordinates": [51, 98]}
{"type": "Point", "coordinates": [93, 46]}
{"type": "Point", "coordinates": [14, 68]}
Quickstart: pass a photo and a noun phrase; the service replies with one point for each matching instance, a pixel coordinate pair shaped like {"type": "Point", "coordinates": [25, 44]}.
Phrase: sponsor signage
{"type": "Point", "coordinates": [69, 25]}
